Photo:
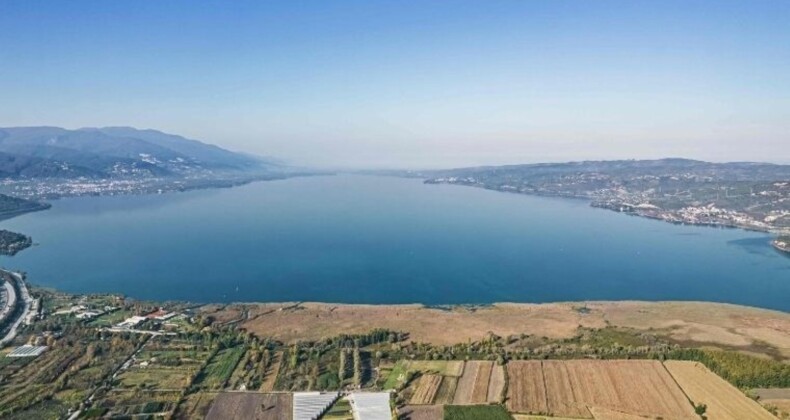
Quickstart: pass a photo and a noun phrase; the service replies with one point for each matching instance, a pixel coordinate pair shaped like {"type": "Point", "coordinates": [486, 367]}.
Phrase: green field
{"type": "Point", "coordinates": [476, 412]}
{"type": "Point", "coordinates": [219, 369]}
{"type": "Point", "coordinates": [396, 376]}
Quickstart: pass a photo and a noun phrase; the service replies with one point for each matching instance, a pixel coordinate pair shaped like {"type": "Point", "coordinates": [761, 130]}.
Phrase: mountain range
{"type": "Point", "coordinates": [112, 152]}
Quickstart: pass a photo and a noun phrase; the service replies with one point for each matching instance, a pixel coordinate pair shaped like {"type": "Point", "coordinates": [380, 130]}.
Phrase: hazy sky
{"type": "Point", "coordinates": [412, 84]}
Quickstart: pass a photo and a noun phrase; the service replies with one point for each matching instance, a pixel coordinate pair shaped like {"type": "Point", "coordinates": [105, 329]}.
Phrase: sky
{"type": "Point", "coordinates": [412, 84]}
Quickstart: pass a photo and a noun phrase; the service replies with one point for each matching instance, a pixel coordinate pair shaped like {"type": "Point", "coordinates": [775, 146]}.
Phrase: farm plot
{"type": "Point", "coordinates": [496, 384]}
{"type": "Point", "coordinates": [251, 405]}
{"type": "Point", "coordinates": [426, 391]}
{"type": "Point", "coordinates": [526, 391]}
{"type": "Point", "coordinates": [440, 367]}
{"type": "Point", "coordinates": [220, 367]}
{"type": "Point", "coordinates": [421, 412]}
{"type": "Point", "coordinates": [480, 389]}
{"type": "Point", "coordinates": [570, 388]}
{"type": "Point", "coordinates": [723, 400]}
{"type": "Point", "coordinates": [468, 390]}
{"type": "Point", "coordinates": [270, 375]}
{"type": "Point", "coordinates": [446, 391]}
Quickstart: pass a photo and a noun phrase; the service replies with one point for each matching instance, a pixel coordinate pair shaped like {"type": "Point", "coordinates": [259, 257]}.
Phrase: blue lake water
{"type": "Point", "coordinates": [366, 239]}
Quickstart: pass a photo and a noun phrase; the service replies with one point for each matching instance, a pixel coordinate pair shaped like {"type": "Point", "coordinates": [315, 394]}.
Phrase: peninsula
{"type": "Point", "coordinates": [782, 243]}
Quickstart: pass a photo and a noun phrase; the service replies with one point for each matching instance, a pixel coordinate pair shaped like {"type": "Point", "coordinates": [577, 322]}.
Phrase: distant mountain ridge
{"type": "Point", "coordinates": [110, 152]}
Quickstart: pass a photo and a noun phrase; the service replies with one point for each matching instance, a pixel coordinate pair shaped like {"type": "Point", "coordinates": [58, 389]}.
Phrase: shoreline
{"type": "Point", "coordinates": [592, 203]}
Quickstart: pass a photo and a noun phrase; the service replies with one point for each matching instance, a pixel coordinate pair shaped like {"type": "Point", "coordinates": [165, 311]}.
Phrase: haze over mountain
{"type": "Point", "coordinates": [53, 152]}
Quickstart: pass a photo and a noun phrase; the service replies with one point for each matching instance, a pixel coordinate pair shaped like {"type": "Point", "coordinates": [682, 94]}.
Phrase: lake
{"type": "Point", "coordinates": [368, 239]}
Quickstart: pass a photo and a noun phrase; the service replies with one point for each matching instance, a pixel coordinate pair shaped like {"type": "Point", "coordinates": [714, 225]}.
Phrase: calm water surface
{"type": "Point", "coordinates": [367, 239]}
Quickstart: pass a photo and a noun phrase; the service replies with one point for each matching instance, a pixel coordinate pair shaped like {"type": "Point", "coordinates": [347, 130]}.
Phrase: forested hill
{"type": "Point", "coordinates": [112, 152]}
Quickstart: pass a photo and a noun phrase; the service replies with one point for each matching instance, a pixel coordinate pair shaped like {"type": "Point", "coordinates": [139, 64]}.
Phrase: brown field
{"type": "Point", "coordinates": [569, 388]}
{"type": "Point", "coordinates": [270, 376]}
{"type": "Point", "coordinates": [480, 389]}
{"type": "Point", "coordinates": [250, 405]}
{"type": "Point", "coordinates": [526, 392]}
{"type": "Point", "coordinates": [560, 398]}
{"type": "Point", "coordinates": [421, 412]}
{"type": "Point", "coordinates": [696, 323]}
{"type": "Point", "coordinates": [426, 390]}
{"type": "Point", "coordinates": [446, 391]}
{"type": "Point", "coordinates": [466, 383]}
{"type": "Point", "coordinates": [724, 401]}
{"type": "Point", "coordinates": [496, 384]}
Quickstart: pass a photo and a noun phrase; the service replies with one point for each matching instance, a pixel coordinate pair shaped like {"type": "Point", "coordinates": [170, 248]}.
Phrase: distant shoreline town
{"type": "Point", "coordinates": [748, 196]}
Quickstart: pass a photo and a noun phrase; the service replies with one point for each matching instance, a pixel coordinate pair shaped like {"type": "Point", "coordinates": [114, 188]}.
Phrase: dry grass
{"type": "Point", "coordinates": [251, 405]}
{"type": "Point", "coordinates": [724, 401]}
{"type": "Point", "coordinates": [692, 322]}
{"type": "Point", "coordinates": [480, 389]}
{"type": "Point", "coordinates": [569, 388]}
{"type": "Point", "coordinates": [426, 391]}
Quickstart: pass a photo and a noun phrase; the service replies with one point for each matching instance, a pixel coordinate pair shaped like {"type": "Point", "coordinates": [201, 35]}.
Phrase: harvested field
{"type": "Point", "coordinates": [724, 401]}
{"type": "Point", "coordinates": [446, 391]}
{"type": "Point", "coordinates": [496, 383]}
{"type": "Point", "coordinates": [421, 412]}
{"type": "Point", "coordinates": [466, 383]}
{"type": "Point", "coordinates": [526, 392]}
{"type": "Point", "coordinates": [569, 388]}
{"type": "Point", "coordinates": [250, 405]}
{"type": "Point", "coordinates": [480, 389]}
{"type": "Point", "coordinates": [559, 395]}
{"type": "Point", "coordinates": [426, 390]}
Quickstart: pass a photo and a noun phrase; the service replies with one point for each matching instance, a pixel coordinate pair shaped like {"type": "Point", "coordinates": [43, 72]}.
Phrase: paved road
{"type": "Point", "coordinates": [24, 300]}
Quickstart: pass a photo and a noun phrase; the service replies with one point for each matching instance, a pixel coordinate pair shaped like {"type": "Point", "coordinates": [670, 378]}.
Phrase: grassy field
{"type": "Point", "coordinates": [396, 375]}
{"type": "Point", "coordinates": [439, 367]}
{"type": "Point", "coordinates": [110, 319]}
{"type": "Point", "coordinates": [220, 368]}
{"type": "Point", "coordinates": [476, 412]}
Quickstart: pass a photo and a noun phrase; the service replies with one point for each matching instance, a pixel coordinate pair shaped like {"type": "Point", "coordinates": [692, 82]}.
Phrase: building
{"type": "Point", "coordinates": [370, 405]}
{"type": "Point", "coordinates": [27, 351]}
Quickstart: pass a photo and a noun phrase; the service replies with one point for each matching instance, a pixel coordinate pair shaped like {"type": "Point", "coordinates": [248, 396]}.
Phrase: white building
{"type": "Point", "coordinates": [370, 405]}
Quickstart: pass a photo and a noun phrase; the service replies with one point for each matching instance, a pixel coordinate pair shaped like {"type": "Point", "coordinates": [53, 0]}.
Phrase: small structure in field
{"type": "Point", "coordinates": [131, 322]}
{"type": "Point", "coordinates": [27, 351]}
{"type": "Point", "coordinates": [312, 405]}
{"type": "Point", "coordinates": [370, 405]}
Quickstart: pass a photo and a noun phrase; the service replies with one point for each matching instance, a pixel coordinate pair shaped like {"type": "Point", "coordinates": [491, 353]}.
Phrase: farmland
{"type": "Point", "coordinates": [723, 400]}
{"type": "Point", "coordinates": [475, 412]}
{"type": "Point", "coordinates": [427, 387]}
{"type": "Point", "coordinates": [250, 405]}
{"type": "Point", "coordinates": [568, 388]}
